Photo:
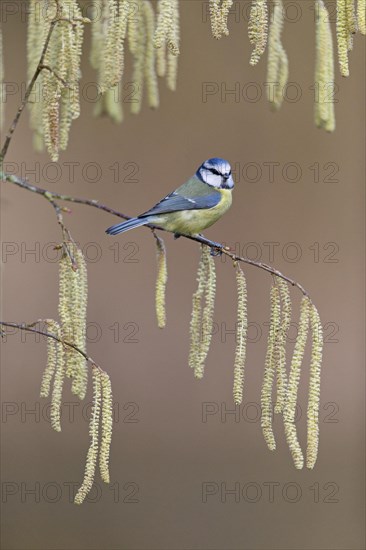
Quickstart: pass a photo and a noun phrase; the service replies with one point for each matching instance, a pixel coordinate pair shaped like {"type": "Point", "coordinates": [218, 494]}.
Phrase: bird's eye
{"type": "Point", "coordinates": [215, 172]}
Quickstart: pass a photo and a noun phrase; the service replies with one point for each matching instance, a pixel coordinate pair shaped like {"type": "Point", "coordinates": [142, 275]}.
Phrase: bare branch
{"type": "Point", "coordinates": [218, 247]}
{"type": "Point", "coordinates": [30, 328]}
{"type": "Point", "coordinates": [29, 89]}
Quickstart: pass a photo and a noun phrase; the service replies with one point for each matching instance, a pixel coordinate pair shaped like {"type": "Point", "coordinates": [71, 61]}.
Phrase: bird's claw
{"type": "Point", "coordinates": [215, 251]}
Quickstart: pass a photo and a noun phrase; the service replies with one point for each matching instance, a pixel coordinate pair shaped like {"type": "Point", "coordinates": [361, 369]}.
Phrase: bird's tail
{"type": "Point", "coordinates": [126, 226]}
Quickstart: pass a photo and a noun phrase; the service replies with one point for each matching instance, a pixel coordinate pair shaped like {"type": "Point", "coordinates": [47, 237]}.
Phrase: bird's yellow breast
{"type": "Point", "coordinates": [191, 222]}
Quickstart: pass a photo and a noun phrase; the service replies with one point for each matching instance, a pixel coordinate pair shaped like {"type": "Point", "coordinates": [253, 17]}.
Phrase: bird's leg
{"type": "Point", "coordinates": [212, 244]}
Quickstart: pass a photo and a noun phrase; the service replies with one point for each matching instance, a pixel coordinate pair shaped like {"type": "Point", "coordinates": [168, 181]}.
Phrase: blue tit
{"type": "Point", "coordinates": [195, 205]}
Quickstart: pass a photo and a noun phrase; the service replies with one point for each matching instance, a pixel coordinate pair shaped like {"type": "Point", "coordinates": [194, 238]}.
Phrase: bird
{"type": "Point", "coordinates": [192, 207]}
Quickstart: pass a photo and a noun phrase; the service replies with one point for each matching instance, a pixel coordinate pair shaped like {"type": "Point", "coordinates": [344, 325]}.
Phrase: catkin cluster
{"type": "Point", "coordinates": [153, 37]}
{"type": "Point", "coordinates": [153, 42]}
{"type": "Point", "coordinates": [275, 370]}
{"type": "Point", "coordinates": [288, 385]}
{"type": "Point", "coordinates": [349, 20]}
{"type": "Point", "coordinates": [65, 357]}
{"type": "Point", "coordinates": [202, 312]}
{"type": "Point", "coordinates": [73, 293]}
{"type": "Point", "coordinates": [55, 101]}
{"type": "Point", "coordinates": [101, 420]}
{"type": "Point", "coordinates": [62, 358]}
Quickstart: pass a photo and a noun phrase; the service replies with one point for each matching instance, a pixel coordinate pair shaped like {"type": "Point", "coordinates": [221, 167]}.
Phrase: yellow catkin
{"type": "Point", "coordinates": [269, 369]}
{"type": "Point", "coordinates": [164, 20]}
{"type": "Point", "coordinates": [172, 71]}
{"type": "Point", "coordinates": [173, 37]}
{"type": "Point", "coordinates": [166, 41]}
{"type": "Point", "coordinates": [280, 344]}
{"type": "Point", "coordinates": [342, 37]}
{"type": "Point", "coordinates": [196, 317]}
{"type": "Point", "coordinates": [92, 456]}
{"type": "Point", "coordinates": [241, 337]}
{"type": "Point", "coordinates": [73, 41]}
{"type": "Point", "coordinates": [2, 84]}
{"type": "Point", "coordinates": [109, 105]}
{"type": "Point", "coordinates": [277, 64]}
{"type": "Point", "coordinates": [107, 426]}
{"type": "Point", "coordinates": [133, 26]}
{"type": "Point", "coordinates": [52, 327]}
{"type": "Point", "coordinates": [67, 301]}
{"type": "Point", "coordinates": [167, 27]}
{"type": "Point", "coordinates": [225, 8]}
{"type": "Point", "coordinates": [72, 311]}
{"type": "Point", "coordinates": [110, 63]}
{"type": "Point", "coordinates": [161, 60]}
{"type": "Point", "coordinates": [207, 314]}
{"type": "Point", "coordinates": [215, 18]}
{"type": "Point", "coordinates": [293, 384]}
{"type": "Point", "coordinates": [161, 280]}
{"type": "Point", "coordinates": [78, 320]}
{"type": "Point", "coordinates": [36, 30]}
{"type": "Point", "coordinates": [150, 55]}
{"type": "Point", "coordinates": [58, 383]}
{"type": "Point", "coordinates": [111, 60]}
{"type": "Point", "coordinates": [138, 49]}
{"type": "Point", "coordinates": [361, 16]}
{"type": "Point", "coordinates": [314, 388]}
{"type": "Point", "coordinates": [99, 21]}
{"type": "Point", "coordinates": [51, 94]}
{"type": "Point", "coordinates": [258, 29]}
{"type": "Point", "coordinates": [202, 315]}
{"type": "Point", "coordinates": [351, 21]}
{"type": "Point", "coordinates": [173, 50]}
{"type": "Point", "coordinates": [65, 119]}
{"type": "Point", "coordinates": [324, 70]}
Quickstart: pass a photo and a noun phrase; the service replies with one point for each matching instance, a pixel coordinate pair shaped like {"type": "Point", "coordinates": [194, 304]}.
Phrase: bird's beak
{"type": "Point", "coordinates": [229, 182]}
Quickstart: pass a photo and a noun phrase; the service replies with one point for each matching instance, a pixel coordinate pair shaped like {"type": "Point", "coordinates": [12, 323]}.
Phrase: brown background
{"type": "Point", "coordinates": [169, 452]}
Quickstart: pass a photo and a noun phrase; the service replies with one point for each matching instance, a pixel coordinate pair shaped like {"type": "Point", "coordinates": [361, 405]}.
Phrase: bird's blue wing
{"type": "Point", "coordinates": [176, 202]}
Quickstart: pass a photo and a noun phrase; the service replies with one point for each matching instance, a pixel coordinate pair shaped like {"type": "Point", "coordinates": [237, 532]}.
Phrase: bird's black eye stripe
{"type": "Point", "coordinates": [214, 171]}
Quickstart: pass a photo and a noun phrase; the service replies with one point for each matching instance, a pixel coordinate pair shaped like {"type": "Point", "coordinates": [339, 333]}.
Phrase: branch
{"type": "Point", "coordinates": [218, 247]}
{"type": "Point", "coordinates": [30, 328]}
{"type": "Point", "coordinates": [29, 89]}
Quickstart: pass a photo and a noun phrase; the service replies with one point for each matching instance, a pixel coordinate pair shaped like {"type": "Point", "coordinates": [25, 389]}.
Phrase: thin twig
{"type": "Point", "coordinates": [55, 74]}
{"type": "Point", "coordinates": [30, 328]}
{"type": "Point", "coordinates": [218, 247]}
{"type": "Point", "coordinates": [28, 92]}
{"type": "Point", "coordinates": [66, 235]}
